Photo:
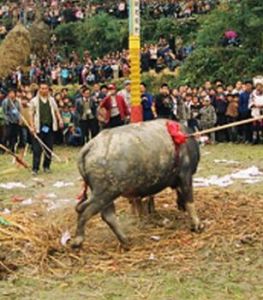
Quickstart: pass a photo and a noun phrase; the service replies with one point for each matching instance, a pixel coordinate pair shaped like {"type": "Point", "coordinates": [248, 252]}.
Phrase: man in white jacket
{"type": "Point", "coordinates": [126, 93]}
{"type": "Point", "coordinates": [45, 118]}
{"type": "Point", "coordinates": [256, 106]}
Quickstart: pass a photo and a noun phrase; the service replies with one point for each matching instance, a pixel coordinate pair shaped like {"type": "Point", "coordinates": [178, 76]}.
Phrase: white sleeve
{"type": "Point", "coordinates": [251, 101]}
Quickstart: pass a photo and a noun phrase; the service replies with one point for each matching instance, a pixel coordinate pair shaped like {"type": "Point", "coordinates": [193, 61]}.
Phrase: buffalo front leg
{"type": "Point", "coordinates": [186, 202]}
{"type": "Point", "coordinates": [197, 226]}
{"type": "Point", "coordinates": [108, 215]}
{"type": "Point", "coordinates": [91, 208]}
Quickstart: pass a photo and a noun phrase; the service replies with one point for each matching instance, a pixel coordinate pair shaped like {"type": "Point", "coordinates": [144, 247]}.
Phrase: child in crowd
{"type": "Point", "coordinates": [232, 115]}
{"type": "Point", "coordinates": [66, 116]}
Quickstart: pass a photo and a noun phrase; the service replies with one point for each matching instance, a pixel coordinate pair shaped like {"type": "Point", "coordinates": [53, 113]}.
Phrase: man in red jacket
{"type": "Point", "coordinates": [117, 111]}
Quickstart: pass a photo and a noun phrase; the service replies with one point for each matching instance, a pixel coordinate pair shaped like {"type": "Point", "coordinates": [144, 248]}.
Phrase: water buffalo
{"type": "Point", "coordinates": [135, 160]}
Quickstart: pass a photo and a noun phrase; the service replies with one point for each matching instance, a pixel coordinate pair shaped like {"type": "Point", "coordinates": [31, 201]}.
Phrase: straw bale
{"type": "Point", "coordinates": [15, 50]}
{"type": "Point", "coordinates": [40, 38]}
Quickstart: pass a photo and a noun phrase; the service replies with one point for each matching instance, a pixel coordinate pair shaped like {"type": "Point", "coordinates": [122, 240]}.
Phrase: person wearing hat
{"type": "Point", "coordinates": [208, 117]}
{"type": "Point", "coordinates": [126, 93]}
{"type": "Point", "coordinates": [116, 109]}
{"type": "Point", "coordinates": [73, 136]}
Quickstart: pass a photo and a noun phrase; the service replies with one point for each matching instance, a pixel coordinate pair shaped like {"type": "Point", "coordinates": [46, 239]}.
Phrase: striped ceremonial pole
{"type": "Point", "coordinates": [134, 48]}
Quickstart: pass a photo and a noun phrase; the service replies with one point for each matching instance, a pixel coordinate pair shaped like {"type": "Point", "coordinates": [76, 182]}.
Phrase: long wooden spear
{"type": "Point", "coordinates": [18, 159]}
{"type": "Point", "coordinates": [226, 126]}
{"type": "Point", "coordinates": [46, 148]}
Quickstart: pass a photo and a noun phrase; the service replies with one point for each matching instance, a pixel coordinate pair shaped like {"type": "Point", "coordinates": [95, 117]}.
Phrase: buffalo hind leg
{"type": "Point", "coordinates": [185, 202]}
{"type": "Point", "coordinates": [108, 215]}
{"type": "Point", "coordinates": [142, 207]}
{"type": "Point", "coordinates": [82, 199]}
{"type": "Point", "coordinates": [150, 205]}
{"type": "Point", "coordinates": [88, 210]}
{"type": "Point", "coordinates": [136, 206]}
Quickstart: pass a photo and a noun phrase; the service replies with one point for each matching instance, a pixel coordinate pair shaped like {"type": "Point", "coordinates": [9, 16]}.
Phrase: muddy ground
{"type": "Point", "coordinates": [166, 261]}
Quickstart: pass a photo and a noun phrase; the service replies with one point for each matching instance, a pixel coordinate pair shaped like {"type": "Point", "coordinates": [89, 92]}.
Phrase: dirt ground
{"type": "Point", "coordinates": [166, 261]}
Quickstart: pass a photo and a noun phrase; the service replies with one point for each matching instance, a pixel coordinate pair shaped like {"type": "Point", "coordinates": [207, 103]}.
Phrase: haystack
{"type": "Point", "coordinates": [40, 37]}
{"type": "Point", "coordinates": [15, 50]}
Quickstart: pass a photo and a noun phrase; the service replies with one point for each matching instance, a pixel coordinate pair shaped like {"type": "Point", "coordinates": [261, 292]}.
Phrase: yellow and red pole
{"type": "Point", "coordinates": [134, 48]}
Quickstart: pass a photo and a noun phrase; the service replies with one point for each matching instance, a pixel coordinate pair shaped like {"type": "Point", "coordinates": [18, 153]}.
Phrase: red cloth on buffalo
{"type": "Point", "coordinates": [176, 133]}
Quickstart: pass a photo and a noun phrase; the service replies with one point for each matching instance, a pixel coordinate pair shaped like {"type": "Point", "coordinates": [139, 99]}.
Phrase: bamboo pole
{"type": "Point", "coordinates": [226, 126]}
{"type": "Point", "coordinates": [18, 159]}
{"type": "Point", "coordinates": [52, 153]}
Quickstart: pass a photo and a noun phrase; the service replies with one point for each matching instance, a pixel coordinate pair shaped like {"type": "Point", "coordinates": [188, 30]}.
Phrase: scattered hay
{"type": "Point", "coordinates": [15, 50]}
{"type": "Point", "coordinates": [233, 222]}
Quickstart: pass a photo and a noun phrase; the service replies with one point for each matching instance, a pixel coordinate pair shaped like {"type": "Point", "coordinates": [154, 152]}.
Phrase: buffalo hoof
{"type": "Point", "coordinates": [198, 228]}
{"type": "Point", "coordinates": [181, 205]}
{"type": "Point", "coordinates": [122, 248]}
{"type": "Point", "coordinates": [77, 242]}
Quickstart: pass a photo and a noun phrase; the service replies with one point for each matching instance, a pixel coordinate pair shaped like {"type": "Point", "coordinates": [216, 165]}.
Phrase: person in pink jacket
{"type": "Point", "coordinates": [117, 111]}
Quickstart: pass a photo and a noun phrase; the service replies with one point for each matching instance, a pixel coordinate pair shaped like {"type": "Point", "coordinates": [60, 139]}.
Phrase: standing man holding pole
{"type": "Point", "coordinates": [44, 120]}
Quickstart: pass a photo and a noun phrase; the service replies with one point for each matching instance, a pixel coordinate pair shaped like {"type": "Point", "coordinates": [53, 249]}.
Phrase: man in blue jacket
{"type": "Point", "coordinates": [11, 110]}
{"type": "Point", "coordinates": [245, 131]}
{"type": "Point", "coordinates": [147, 103]}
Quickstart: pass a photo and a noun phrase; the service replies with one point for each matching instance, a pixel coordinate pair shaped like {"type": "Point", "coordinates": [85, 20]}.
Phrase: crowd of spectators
{"type": "Point", "coordinates": [60, 68]}
{"type": "Point", "coordinates": [214, 105]}
{"type": "Point", "coordinates": [175, 8]}
{"type": "Point", "coordinates": [196, 107]}
{"type": "Point", "coordinates": [56, 12]}
{"type": "Point", "coordinates": [167, 53]}
{"type": "Point", "coordinates": [156, 9]}
{"type": "Point", "coordinates": [97, 105]}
